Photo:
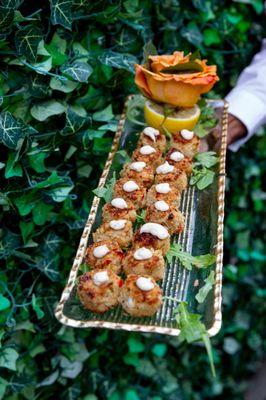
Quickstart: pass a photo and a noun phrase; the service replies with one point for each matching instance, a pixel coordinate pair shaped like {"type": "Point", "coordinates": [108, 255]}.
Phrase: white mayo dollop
{"type": "Point", "coordinates": [100, 277]}
{"type": "Point", "coordinates": [130, 186]}
{"type": "Point", "coordinates": [163, 188]}
{"type": "Point", "coordinates": [151, 132]}
{"type": "Point", "coordinates": [118, 224]}
{"type": "Point", "coordinates": [118, 202]}
{"type": "Point", "coordinates": [101, 251]}
{"type": "Point", "coordinates": [137, 166]}
{"type": "Point", "coordinates": [146, 150]}
{"type": "Point", "coordinates": [177, 156]}
{"type": "Point", "coordinates": [161, 205]}
{"type": "Point", "coordinates": [142, 254]}
{"type": "Point", "coordinates": [144, 284]}
{"type": "Point", "coordinates": [155, 229]}
{"type": "Point", "coordinates": [186, 134]}
{"type": "Point", "coordinates": [130, 302]}
{"type": "Point", "coordinates": [165, 168]}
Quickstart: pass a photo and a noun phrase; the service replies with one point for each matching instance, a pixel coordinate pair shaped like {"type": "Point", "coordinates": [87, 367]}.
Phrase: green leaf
{"type": "Point", "coordinates": [106, 192]}
{"type": "Point", "coordinates": [27, 40]}
{"type": "Point", "coordinates": [61, 13]}
{"type": "Point", "coordinates": [148, 50]}
{"type": "Point", "coordinates": [36, 302]}
{"type": "Point", "coordinates": [44, 110]}
{"type": "Point", "coordinates": [6, 18]}
{"type": "Point", "coordinates": [187, 260]}
{"type": "Point", "coordinates": [192, 329]}
{"type": "Point", "coordinates": [74, 122]}
{"type": "Point", "coordinates": [78, 70]}
{"type": "Point", "coordinates": [159, 349]}
{"type": "Point", "coordinates": [4, 302]}
{"type": "Point", "coordinates": [8, 358]}
{"type": "Point", "coordinates": [118, 60]}
{"type": "Point", "coordinates": [36, 160]}
{"type": "Point", "coordinates": [12, 168]}
{"type": "Point", "coordinates": [26, 202]}
{"type": "Point", "coordinates": [189, 67]}
{"type": "Point", "coordinates": [131, 359]}
{"type": "Point", "coordinates": [12, 131]}
{"type": "Point", "coordinates": [207, 159]}
{"type": "Point", "coordinates": [61, 193]}
{"type": "Point", "coordinates": [104, 115]}
{"type": "Point", "coordinates": [41, 213]}
{"type": "Point", "coordinates": [211, 36]}
{"type": "Point", "coordinates": [63, 86]}
{"type": "Point", "coordinates": [27, 229]}
{"type": "Point", "coordinates": [192, 34]}
{"type": "Point", "coordinates": [204, 290]}
{"type": "Point", "coordinates": [135, 345]}
{"type": "Point", "coordinates": [195, 56]}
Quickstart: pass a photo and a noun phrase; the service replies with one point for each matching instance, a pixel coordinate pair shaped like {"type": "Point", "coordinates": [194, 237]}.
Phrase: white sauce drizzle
{"type": "Point", "coordinates": [186, 134]}
{"type": "Point", "coordinates": [155, 229]}
{"type": "Point", "coordinates": [130, 302]}
{"type": "Point", "coordinates": [118, 202]}
{"type": "Point", "coordinates": [142, 254]}
{"type": "Point", "coordinates": [101, 251]}
{"type": "Point", "coordinates": [161, 205]}
{"type": "Point", "coordinates": [138, 166]}
{"type": "Point", "coordinates": [163, 188]}
{"type": "Point", "coordinates": [144, 284]}
{"type": "Point", "coordinates": [165, 168]}
{"type": "Point", "coordinates": [177, 156]}
{"type": "Point", "coordinates": [151, 132]}
{"type": "Point", "coordinates": [147, 150]}
{"type": "Point", "coordinates": [100, 278]}
{"type": "Point", "coordinates": [130, 186]}
{"type": "Point", "coordinates": [119, 224]}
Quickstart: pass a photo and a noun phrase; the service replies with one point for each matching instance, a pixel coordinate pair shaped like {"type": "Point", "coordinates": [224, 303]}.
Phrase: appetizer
{"type": "Point", "coordinates": [166, 173]}
{"type": "Point", "coordinates": [144, 260]}
{"type": "Point", "coordinates": [105, 255]}
{"type": "Point", "coordinates": [166, 215]}
{"type": "Point", "coordinates": [140, 296]}
{"type": "Point", "coordinates": [116, 230]}
{"type": "Point", "coordinates": [164, 191]}
{"type": "Point", "coordinates": [119, 208]}
{"type": "Point", "coordinates": [187, 142]}
{"type": "Point", "coordinates": [179, 160]}
{"type": "Point", "coordinates": [152, 137]}
{"type": "Point", "coordinates": [132, 191]}
{"type": "Point", "coordinates": [152, 235]}
{"type": "Point", "coordinates": [140, 172]}
{"type": "Point", "coordinates": [99, 291]}
{"type": "Point", "coordinates": [149, 154]}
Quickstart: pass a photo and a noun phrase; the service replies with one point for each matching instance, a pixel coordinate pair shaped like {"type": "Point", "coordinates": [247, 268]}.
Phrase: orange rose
{"type": "Point", "coordinates": [181, 89]}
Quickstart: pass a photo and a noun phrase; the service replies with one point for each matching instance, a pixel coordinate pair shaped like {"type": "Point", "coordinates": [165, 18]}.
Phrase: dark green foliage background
{"type": "Point", "coordinates": [49, 168]}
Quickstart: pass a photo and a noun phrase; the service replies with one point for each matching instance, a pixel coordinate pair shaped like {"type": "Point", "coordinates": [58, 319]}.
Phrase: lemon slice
{"type": "Point", "coordinates": [182, 118]}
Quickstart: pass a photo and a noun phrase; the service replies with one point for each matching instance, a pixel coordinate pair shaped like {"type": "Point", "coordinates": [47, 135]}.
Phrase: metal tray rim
{"type": "Point", "coordinates": [217, 318]}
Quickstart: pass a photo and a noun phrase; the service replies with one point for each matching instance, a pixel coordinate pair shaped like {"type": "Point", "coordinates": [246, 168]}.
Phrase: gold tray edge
{"type": "Point", "coordinates": [217, 321]}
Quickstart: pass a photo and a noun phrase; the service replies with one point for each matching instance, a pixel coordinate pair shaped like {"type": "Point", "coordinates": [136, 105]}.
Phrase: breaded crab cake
{"type": "Point", "coordinates": [149, 154]}
{"type": "Point", "coordinates": [119, 208]}
{"type": "Point", "coordinates": [139, 172]}
{"type": "Point", "coordinates": [132, 191]}
{"type": "Point", "coordinates": [169, 173]}
{"type": "Point", "coordinates": [144, 261]}
{"type": "Point", "coordinates": [179, 160]}
{"type": "Point", "coordinates": [152, 235]}
{"type": "Point", "coordinates": [99, 290]}
{"type": "Point", "coordinates": [164, 191]}
{"type": "Point", "coordinates": [152, 137]}
{"type": "Point", "coordinates": [187, 142]}
{"type": "Point", "coordinates": [105, 255]}
{"type": "Point", "coordinates": [166, 215]}
{"type": "Point", "coordinates": [119, 231]}
{"type": "Point", "coordinates": [140, 296]}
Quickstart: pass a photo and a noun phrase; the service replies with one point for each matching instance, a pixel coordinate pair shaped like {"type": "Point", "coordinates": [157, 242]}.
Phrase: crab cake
{"type": "Point", "coordinates": [152, 137]}
{"type": "Point", "coordinates": [140, 296]}
{"type": "Point", "coordinates": [152, 235]}
{"type": "Point", "coordinates": [166, 215]}
{"type": "Point", "coordinates": [105, 255]}
{"type": "Point", "coordinates": [149, 154]}
{"type": "Point", "coordinates": [144, 261]}
{"type": "Point", "coordinates": [118, 208]}
{"type": "Point", "coordinates": [132, 191]}
{"type": "Point", "coordinates": [179, 160]}
{"type": "Point", "coordinates": [139, 172]}
{"type": "Point", "coordinates": [169, 173]}
{"type": "Point", "coordinates": [99, 291]}
{"type": "Point", "coordinates": [164, 191]}
{"type": "Point", "coordinates": [187, 142]}
{"type": "Point", "coordinates": [116, 230]}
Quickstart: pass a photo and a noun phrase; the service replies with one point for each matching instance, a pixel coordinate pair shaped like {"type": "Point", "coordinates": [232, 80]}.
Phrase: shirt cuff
{"type": "Point", "coordinates": [249, 109]}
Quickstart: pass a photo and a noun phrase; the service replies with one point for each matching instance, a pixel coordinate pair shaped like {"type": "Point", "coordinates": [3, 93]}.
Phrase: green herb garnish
{"type": "Point", "coordinates": [187, 260]}
{"type": "Point", "coordinates": [202, 174]}
{"type": "Point", "coordinates": [207, 121]}
{"type": "Point", "coordinates": [106, 192]}
{"type": "Point", "coordinates": [206, 288]}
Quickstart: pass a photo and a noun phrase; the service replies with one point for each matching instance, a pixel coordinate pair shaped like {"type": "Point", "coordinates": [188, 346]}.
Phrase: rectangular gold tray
{"type": "Point", "coordinates": [203, 233]}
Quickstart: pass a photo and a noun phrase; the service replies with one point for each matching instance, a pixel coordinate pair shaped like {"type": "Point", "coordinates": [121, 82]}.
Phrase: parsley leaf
{"type": "Point", "coordinates": [202, 174]}
{"type": "Point", "coordinates": [192, 330]}
{"type": "Point", "coordinates": [187, 260]}
{"type": "Point", "coordinates": [106, 192]}
{"type": "Point", "coordinates": [205, 289]}
{"type": "Point", "coordinates": [207, 120]}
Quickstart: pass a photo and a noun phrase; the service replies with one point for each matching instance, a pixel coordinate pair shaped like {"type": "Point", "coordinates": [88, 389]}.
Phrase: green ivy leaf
{"type": "Point", "coordinates": [47, 109]}
{"type": "Point", "coordinates": [8, 358]}
{"type": "Point", "coordinates": [106, 192]}
{"type": "Point", "coordinates": [12, 168]}
{"type": "Point", "coordinates": [4, 302]}
{"type": "Point", "coordinates": [211, 36]}
{"type": "Point", "coordinates": [74, 122]}
{"type": "Point", "coordinates": [148, 50]}
{"type": "Point", "coordinates": [36, 303]}
{"type": "Point", "coordinates": [26, 202]}
{"type": "Point", "coordinates": [61, 13]}
{"type": "Point", "coordinates": [6, 18]}
{"type": "Point", "coordinates": [206, 288]}
{"type": "Point", "coordinates": [104, 115]}
{"type": "Point", "coordinates": [36, 160]}
{"type": "Point", "coordinates": [63, 86]}
{"type": "Point", "coordinates": [41, 213]}
{"type": "Point", "coordinates": [118, 60]}
{"type": "Point", "coordinates": [78, 70]}
{"type": "Point", "coordinates": [135, 345]}
{"type": "Point", "coordinates": [27, 40]}
{"type": "Point", "coordinates": [12, 131]}
{"type": "Point", "coordinates": [26, 229]}
{"type": "Point", "coordinates": [159, 349]}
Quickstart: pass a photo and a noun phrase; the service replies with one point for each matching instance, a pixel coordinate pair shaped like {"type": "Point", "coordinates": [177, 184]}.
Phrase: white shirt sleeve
{"type": "Point", "coordinates": [247, 101]}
